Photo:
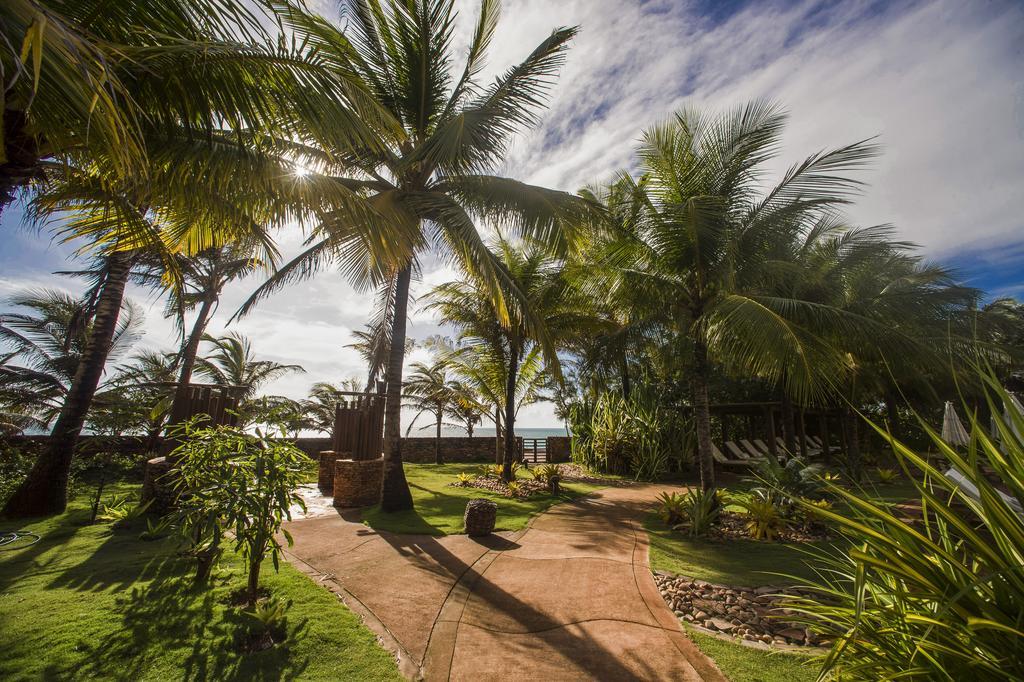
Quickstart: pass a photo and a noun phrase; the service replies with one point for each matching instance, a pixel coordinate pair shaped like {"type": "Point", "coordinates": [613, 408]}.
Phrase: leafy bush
{"type": "Point", "coordinates": [696, 511]}
{"type": "Point", "coordinates": [465, 478]}
{"type": "Point", "coordinates": [671, 508]}
{"type": "Point", "coordinates": [939, 595]}
{"type": "Point", "coordinates": [886, 475]}
{"type": "Point", "coordinates": [514, 487]}
{"type": "Point", "coordinates": [267, 624]}
{"type": "Point", "coordinates": [766, 519]}
{"type": "Point", "coordinates": [784, 484]}
{"type": "Point", "coordinates": [638, 437]}
{"type": "Point", "coordinates": [230, 480]}
{"type": "Point", "coordinates": [122, 512]}
{"type": "Point", "coordinates": [15, 462]}
{"type": "Point", "coordinates": [546, 472]}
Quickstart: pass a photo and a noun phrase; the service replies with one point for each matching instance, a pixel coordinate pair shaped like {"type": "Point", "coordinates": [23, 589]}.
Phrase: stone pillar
{"type": "Point", "coordinates": [325, 475]}
{"type": "Point", "coordinates": [156, 486]}
{"type": "Point", "coordinates": [357, 483]}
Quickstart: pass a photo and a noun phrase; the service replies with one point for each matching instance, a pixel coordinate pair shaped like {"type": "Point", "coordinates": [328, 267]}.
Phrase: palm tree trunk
{"type": "Point", "coordinates": [395, 494]}
{"type": "Point", "coordinates": [188, 363]}
{"type": "Point", "coordinates": [788, 417]}
{"type": "Point", "coordinates": [702, 414]}
{"type": "Point", "coordinates": [499, 440]}
{"type": "Point", "coordinates": [437, 440]}
{"type": "Point", "coordinates": [45, 489]}
{"type": "Point", "coordinates": [510, 415]}
{"type": "Point", "coordinates": [627, 384]}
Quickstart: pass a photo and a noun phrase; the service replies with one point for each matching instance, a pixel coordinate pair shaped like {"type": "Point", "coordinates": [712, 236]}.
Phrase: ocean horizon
{"type": "Point", "coordinates": [488, 432]}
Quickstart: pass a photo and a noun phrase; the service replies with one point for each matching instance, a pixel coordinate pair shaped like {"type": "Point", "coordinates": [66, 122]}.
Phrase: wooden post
{"type": "Point", "coordinates": [801, 434]}
{"type": "Point", "coordinates": [773, 447]}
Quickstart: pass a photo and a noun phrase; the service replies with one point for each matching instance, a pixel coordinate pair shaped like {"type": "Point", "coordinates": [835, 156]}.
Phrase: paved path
{"type": "Point", "coordinates": [571, 597]}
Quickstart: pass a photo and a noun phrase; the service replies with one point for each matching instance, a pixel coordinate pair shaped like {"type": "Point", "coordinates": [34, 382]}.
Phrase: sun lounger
{"type": "Point", "coordinates": [972, 491]}
{"type": "Point", "coordinates": [725, 461]}
{"type": "Point", "coordinates": [739, 453]}
{"type": "Point", "coordinates": [753, 450]}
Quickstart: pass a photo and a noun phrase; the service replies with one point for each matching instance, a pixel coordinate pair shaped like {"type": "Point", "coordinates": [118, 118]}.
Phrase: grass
{"type": "Point", "coordinates": [439, 507]}
{"type": "Point", "coordinates": [744, 563]}
{"type": "Point", "coordinates": [88, 601]}
{"type": "Point", "coordinates": [746, 664]}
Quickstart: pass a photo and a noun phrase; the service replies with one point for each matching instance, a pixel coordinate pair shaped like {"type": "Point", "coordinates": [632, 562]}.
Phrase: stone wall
{"type": "Point", "coordinates": [558, 448]}
{"type": "Point", "coordinates": [453, 449]}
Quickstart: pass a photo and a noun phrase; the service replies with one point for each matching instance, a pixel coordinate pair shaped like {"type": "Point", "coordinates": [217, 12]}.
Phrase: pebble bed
{"type": "Point", "coordinates": [753, 615]}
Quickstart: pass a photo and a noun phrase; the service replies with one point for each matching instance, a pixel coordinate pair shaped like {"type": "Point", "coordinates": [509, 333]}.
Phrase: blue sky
{"type": "Point", "coordinates": [940, 83]}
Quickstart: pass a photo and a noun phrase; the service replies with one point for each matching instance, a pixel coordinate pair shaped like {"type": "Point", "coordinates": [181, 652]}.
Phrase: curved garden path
{"type": "Point", "coordinates": [569, 597]}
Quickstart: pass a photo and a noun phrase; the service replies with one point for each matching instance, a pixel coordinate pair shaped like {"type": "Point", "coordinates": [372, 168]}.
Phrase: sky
{"type": "Point", "coordinates": [941, 85]}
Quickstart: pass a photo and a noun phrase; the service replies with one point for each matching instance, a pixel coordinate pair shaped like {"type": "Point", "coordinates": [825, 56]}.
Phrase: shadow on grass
{"type": "Point", "coordinates": [169, 617]}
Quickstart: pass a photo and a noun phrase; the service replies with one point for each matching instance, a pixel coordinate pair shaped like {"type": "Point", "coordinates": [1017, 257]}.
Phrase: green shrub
{"type": "Point", "coordinates": [766, 519]}
{"type": "Point", "coordinates": [15, 462]}
{"type": "Point", "coordinates": [637, 437]}
{"type": "Point", "coordinates": [230, 480]}
{"type": "Point", "coordinates": [886, 475]}
{"type": "Point", "coordinates": [939, 596]}
{"type": "Point", "coordinates": [784, 484]}
{"type": "Point", "coordinates": [695, 511]}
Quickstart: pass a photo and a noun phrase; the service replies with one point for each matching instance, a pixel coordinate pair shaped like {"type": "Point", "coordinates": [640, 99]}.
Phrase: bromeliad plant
{"type": "Point", "coordinates": [696, 511]}
{"type": "Point", "coordinates": [227, 479]}
{"type": "Point", "coordinates": [766, 519]}
{"type": "Point", "coordinates": [939, 596]}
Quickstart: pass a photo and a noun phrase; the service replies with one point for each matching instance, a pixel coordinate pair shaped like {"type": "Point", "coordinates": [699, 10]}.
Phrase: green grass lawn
{"type": "Point", "coordinates": [747, 664]}
{"type": "Point", "coordinates": [90, 602]}
{"type": "Point", "coordinates": [439, 507]}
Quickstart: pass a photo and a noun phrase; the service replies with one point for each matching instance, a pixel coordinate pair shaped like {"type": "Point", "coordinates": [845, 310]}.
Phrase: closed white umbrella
{"type": "Point", "coordinates": [953, 432]}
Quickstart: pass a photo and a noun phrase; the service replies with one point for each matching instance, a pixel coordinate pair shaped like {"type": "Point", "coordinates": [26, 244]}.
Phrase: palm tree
{"type": "Point", "coordinates": [423, 180]}
{"type": "Point", "coordinates": [104, 79]}
{"type": "Point", "coordinates": [520, 339]}
{"type": "Point", "coordinates": [465, 410]}
{"type": "Point", "coordinates": [699, 236]}
{"type": "Point", "coordinates": [429, 389]}
{"type": "Point", "coordinates": [231, 362]}
{"type": "Point", "coordinates": [147, 381]}
{"type": "Point", "coordinates": [321, 405]}
{"type": "Point", "coordinates": [45, 348]}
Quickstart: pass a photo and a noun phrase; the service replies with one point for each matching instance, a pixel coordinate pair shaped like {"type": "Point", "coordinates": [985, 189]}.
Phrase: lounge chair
{"type": "Point", "coordinates": [972, 491]}
{"type": "Point", "coordinates": [753, 450]}
{"type": "Point", "coordinates": [725, 461]}
{"type": "Point", "coordinates": [739, 453]}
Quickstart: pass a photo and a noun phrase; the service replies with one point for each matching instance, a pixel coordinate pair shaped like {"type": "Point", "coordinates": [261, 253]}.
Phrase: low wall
{"type": "Point", "coordinates": [453, 449]}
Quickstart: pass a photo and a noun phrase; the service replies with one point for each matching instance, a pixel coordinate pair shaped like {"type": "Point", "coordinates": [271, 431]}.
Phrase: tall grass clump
{"type": "Point", "coordinates": [634, 436]}
{"type": "Point", "coordinates": [935, 594]}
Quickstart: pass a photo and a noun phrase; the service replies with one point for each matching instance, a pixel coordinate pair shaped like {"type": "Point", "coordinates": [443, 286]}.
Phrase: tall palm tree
{"type": "Point", "coordinates": [520, 338]}
{"type": "Point", "coordinates": [701, 232]}
{"type": "Point", "coordinates": [424, 179]}
{"type": "Point", "coordinates": [428, 389]}
{"type": "Point", "coordinates": [465, 409]}
{"type": "Point", "coordinates": [231, 362]}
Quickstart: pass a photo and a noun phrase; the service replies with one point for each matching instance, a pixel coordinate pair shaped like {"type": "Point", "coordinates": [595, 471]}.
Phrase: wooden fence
{"type": "Point", "coordinates": [359, 425]}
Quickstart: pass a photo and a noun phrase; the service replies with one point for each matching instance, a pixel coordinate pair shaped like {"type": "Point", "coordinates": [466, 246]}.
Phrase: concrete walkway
{"type": "Point", "coordinates": [571, 597]}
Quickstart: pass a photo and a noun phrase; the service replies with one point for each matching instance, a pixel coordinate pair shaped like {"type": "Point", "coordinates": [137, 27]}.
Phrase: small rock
{"type": "Point", "coordinates": [795, 634]}
{"type": "Point", "coordinates": [723, 625]}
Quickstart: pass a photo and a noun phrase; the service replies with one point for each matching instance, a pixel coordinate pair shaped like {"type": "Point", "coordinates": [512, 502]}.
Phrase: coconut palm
{"type": "Point", "coordinates": [321, 405]}
{"type": "Point", "coordinates": [700, 233]}
{"type": "Point", "coordinates": [44, 350]}
{"type": "Point", "coordinates": [516, 339]}
{"type": "Point", "coordinates": [101, 79]}
{"type": "Point", "coordinates": [425, 179]}
{"type": "Point", "coordinates": [428, 389]}
{"type": "Point", "coordinates": [465, 409]}
{"type": "Point", "coordinates": [231, 362]}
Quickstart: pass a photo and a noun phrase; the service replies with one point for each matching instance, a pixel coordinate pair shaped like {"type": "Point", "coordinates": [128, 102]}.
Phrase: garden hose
{"type": "Point", "coordinates": [16, 539]}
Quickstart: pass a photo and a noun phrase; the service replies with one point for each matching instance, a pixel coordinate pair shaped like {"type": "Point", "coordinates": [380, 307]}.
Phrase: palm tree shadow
{"type": "Point", "coordinates": [585, 653]}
